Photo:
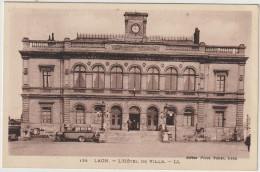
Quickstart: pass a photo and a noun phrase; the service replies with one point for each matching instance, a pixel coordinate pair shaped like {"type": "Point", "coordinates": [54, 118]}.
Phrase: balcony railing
{"type": "Point", "coordinates": [182, 48]}
{"type": "Point", "coordinates": [67, 44]}
{"type": "Point", "coordinates": [222, 49]}
{"type": "Point", "coordinates": [169, 38]}
{"type": "Point", "coordinates": [45, 44]}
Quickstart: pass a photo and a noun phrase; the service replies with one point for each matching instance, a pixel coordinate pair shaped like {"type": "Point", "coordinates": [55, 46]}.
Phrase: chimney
{"type": "Point", "coordinates": [49, 37]}
{"type": "Point", "coordinates": [52, 36]}
{"type": "Point", "coordinates": [197, 36]}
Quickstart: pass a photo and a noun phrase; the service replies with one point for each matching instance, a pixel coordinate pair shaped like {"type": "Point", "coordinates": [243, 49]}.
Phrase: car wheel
{"type": "Point", "coordinates": [57, 138]}
{"type": "Point", "coordinates": [81, 139]}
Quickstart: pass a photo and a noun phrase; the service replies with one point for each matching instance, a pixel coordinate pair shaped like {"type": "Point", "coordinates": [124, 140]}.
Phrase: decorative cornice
{"type": "Point", "coordinates": [46, 103]}
{"type": "Point", "coordinates": [221, 71]}
{"type": "Point", "coordinates": [46, 67]}
{"type": "Point", "coordinates": [220, 107]}
{"type": "Point", "coordinates": [135, 56]}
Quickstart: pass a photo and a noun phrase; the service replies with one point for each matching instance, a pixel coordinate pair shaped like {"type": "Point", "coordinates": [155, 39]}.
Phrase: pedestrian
{"type": "Point", "coordinates": [134, 125]}
{"type": "Point", "coordinates": [129, 124]}
{"type": "Point", "coordinates": [248, 142]}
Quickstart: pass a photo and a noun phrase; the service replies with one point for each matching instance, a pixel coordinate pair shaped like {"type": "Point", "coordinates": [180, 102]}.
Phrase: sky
{"type": "Point", "coordinates": [218, 26]}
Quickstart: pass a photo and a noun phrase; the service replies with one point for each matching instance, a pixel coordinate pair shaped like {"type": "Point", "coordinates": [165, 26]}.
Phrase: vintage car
{"type": "Point", "coordinates": [12, 137]}
{"type": "Point", "coordinates": [81, 136]}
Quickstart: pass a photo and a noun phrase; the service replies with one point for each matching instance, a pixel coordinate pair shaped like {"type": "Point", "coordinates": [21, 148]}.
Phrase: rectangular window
{"type": "Point", "coordinates": [46, 114]}
{"type": "Point", "coordinates": [46, 78]}
{"type": "Point", "coordinates": [220, 83]}
{"type": "Point", "coordinates": [46, 72]}
{"type": "Point", "coordinates": [219, 119]}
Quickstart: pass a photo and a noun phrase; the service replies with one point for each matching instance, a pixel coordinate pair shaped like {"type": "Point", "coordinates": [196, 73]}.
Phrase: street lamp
{"type": "Point", "coordinates": [168, 110]}
{"type": "Point", "coordinates": [102, 114]}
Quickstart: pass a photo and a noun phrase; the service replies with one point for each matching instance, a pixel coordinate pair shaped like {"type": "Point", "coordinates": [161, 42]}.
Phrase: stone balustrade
{"type": "Point", "coordinates": [105, 45]}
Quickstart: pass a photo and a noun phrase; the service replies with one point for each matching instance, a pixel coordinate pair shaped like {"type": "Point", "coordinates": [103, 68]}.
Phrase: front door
{"type": "Point", "coordinates": [116, 118]}
{"type": "Point", "coordinates": [134, 121]}
{"type": "Point", "coordinates": [152, 119]}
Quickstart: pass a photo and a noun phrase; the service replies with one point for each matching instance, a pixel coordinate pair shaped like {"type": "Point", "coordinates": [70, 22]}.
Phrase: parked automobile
{"type": "Point", "coordinates": [81, 136]}
{"type": "Point", "coordinates": [12, 137]}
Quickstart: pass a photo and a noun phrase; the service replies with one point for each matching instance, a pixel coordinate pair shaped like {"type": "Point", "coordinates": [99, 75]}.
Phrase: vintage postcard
{"type": "Point", "coordinates": [130, 86]}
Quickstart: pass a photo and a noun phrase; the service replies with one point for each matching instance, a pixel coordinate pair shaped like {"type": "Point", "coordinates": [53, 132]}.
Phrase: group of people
{"type": "Point", "coordinates": [132, 124]}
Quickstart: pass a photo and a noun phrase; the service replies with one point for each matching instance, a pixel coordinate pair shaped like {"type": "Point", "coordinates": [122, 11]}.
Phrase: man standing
{"type": "Point", "coordinates": [248, 142]}
{"type": "Point", "coordinates": [129, 124]}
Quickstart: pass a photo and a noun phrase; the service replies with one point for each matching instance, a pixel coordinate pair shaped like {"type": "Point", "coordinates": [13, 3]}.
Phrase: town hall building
{"type": "Point", "coordinates": [110, 80]}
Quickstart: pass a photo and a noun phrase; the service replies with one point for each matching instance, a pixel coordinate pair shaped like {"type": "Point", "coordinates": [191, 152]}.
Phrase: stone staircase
{"type": "Point", "coordinates": [120, 136]}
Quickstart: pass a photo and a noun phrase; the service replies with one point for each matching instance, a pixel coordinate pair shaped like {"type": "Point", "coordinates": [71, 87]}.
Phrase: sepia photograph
{"type": "Point", "coordinates": [130, 86]}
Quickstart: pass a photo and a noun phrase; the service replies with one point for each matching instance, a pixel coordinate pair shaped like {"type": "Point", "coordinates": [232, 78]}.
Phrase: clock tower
{"type": "Point", "coordinates": [135, 26]}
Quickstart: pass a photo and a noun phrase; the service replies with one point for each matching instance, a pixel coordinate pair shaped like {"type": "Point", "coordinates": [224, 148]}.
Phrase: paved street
{"type": "Point", "coordinates": [158, 149]}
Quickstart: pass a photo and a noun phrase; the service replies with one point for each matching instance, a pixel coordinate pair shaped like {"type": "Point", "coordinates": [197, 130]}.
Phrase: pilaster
{"type": "Point", "coordinates": [66, 114]}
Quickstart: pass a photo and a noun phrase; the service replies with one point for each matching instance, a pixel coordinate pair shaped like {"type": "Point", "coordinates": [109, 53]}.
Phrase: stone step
{"type": "Point", "coordinates": [115, 136]}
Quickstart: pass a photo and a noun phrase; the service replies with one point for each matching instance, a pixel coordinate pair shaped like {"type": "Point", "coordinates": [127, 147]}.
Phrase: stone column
{"type": "Point", "coordinates": [66, 113]}
{"type": "Point", "coordinates": [181, 82]}
{"type": "Point", "coordinates": [162, 82]}
{"type": "Point", "coordinates": [89, 80]}
{"type": "Point", "coordinates": [201, 114]}
{"type": "Point", "coordinates": [107, 80]}
{"type": "Point", "coordinates": [25, 125]}
{"type": "Point", "coordinates": [144, 82]}
{"type": "Point", "coordinates": [241, 70]}
{"type": "Point", "coordinates": [124, 120]}
{"type": "Point", "coordinates": [202, 76]}
{"type": "Point", "coordinates": [239, 120]}
{"type": "Point", "coordinates": [143, 121]}
{"type": "Point", "coordinates": [125, 81]}
{"type": "Point", "coordinates": [25, 115]}
{"type": "Point", "coordinates": [66, 76]}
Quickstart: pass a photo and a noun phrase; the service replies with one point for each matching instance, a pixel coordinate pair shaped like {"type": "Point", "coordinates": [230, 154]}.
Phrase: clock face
{"type": "Point", "coordinates": [135, 28]}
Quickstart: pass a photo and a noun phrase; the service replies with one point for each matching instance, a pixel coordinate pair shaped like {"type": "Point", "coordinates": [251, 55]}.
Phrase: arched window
{"type": "Point", "coordinates": [189, 117]}
{"type": "Point", "coordinates": [171, 112]}
{"type": "Point", "coordinates": [80, 114]}
{"type": "Point", "coordinates": [135, 78]}
{"type": "Point", "coordinates": [79, 75]}
{"type": "Point", "coordinates": [98, 77]}
{"type": "Point", "coordinates": [189, 79]}
{"type": "Point", "coordinates": [171, 79]}
{"type": "Point", "coordinates": [116, 78]}
{"type": "Point", "coordinates": [153, 79]}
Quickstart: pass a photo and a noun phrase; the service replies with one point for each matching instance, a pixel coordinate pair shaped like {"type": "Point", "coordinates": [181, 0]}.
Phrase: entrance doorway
{"type": "Point", "coordinates": [152, 119]}
{"type": "Point", "coordinates": [135, 121]}
{"type": "Point", "coordinates": [116, 118]}
{"type": "Point", "coordinates": [134, 117]}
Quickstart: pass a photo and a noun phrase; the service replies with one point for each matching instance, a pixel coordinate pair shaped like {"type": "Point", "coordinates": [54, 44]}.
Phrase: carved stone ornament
{"type": "Point", "coordinates": [25, 71]}
{"type": "Point", "coordinates": [180, 66]}
{"type": "Point", "coordinates": [89, 63]}
{"type": "Point", "coordinates": [126, 64]}
{"type": "Point", "coordinates": [66, 71]}
{"type": "Point", "coordinates": [162, 65]}
{"type": "Point", "coordinates": [241, 78]}
{"type": "Point", "coordinates": [107, 63]}
{"type": "Point", "coordinates": [144, 64]}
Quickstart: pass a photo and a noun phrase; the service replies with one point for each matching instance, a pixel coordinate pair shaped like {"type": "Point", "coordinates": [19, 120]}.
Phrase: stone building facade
{"type": "Point", "coordinates": [150, 80]}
